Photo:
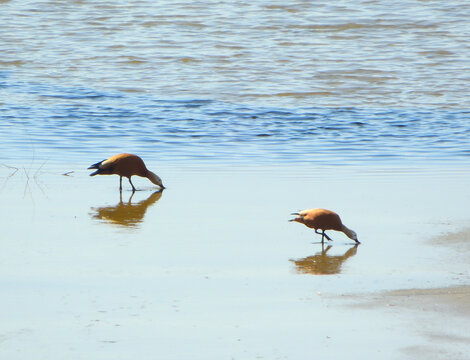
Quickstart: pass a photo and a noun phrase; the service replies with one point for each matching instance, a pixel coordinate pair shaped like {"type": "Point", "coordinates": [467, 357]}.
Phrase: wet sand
{"type": "Point", "coordinates": [439, 315]}
{"type": "Point", "coordinates": [212, 269]}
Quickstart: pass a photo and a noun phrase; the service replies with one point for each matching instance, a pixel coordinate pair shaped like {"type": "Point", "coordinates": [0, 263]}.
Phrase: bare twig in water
{"type": "Point", "coordinates": [10, 167]}
{"type": "Point", "coordinates": [67, 173]}
{"type": "Point", "coordinates": [38, 170]}
{"type": "Point", "coordinates": [30, 174]}
{"type": "Point", "coordinates": [9, 176]}
{"type": "Point", "coordinates": [26, 186]}
{"type": "Point", "coordinates": [36, 179]}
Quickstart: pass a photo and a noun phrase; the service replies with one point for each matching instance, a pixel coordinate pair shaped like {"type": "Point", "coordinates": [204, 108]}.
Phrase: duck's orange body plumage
{"type": "Point", "coordinates": [126, 165]}
{"type": "Point", "coordinates": [322, 219]}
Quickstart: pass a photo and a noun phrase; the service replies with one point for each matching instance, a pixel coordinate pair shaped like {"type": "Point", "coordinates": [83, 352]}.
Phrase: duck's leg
{"type": "Point", "coordinates": [320, 233]}
{"type": "Point", "coordinates": [133, 188]}
{"type": "Point", "coordinates": [324, 234]}
{"type": "Point", "coordinates": [120, 183]}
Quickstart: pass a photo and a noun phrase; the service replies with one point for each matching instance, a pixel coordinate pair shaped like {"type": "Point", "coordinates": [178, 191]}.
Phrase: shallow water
{"type": "Point", "coordinates": [212, 269]}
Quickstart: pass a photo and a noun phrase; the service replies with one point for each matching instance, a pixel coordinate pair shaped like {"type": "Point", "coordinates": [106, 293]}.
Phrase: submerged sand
{"type": "Point", "coordinates": [212, 269]}
{"type": "Point", "coordinates": [439, 315]}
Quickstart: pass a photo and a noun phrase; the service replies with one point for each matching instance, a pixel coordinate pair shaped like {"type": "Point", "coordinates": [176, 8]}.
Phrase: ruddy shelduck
{"type": "Point", "coordinates": [125, 165]}
{"type": "Point", "coordinates": [322, 219]}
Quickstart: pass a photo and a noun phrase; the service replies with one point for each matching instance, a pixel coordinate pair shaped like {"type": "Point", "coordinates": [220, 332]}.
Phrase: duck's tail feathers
{"type": "Point", "coordinates": [95, 166]}
{"type": "Point", "coordinates": [297, 218]}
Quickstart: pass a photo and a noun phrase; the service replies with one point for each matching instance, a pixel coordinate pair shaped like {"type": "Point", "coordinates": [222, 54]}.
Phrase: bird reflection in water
{"type": "Point", "coordinates": [322, 263]}
{"type": "Point", "coordinates": [126, 214]}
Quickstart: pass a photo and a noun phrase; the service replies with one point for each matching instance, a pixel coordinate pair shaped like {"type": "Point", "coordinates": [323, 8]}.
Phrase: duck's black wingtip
{"type": "Point", "coordinates": [95, 166]}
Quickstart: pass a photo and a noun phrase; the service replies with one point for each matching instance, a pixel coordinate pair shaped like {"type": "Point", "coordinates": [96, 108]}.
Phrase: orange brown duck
{"type": "Point", "coordinates": [126, 165]}
{"type": "Point", "coordinates": [322, 219]}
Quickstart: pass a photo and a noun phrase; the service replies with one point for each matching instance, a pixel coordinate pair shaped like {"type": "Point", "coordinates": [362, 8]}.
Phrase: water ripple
{"type": "Point", "coordinates": [262, 81]}
{"type": "Point", "coordinates": [77, 121]}
{"type": "Point", "coordinates": [363, 53]}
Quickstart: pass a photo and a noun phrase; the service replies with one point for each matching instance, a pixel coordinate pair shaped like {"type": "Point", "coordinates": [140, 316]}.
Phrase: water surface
{"type": "Point", "coordinates": [248, 111]}
{"type": "Point", "coordinates": [363, 53]}
{"type": "Point", "coordinates": [211, 268]}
